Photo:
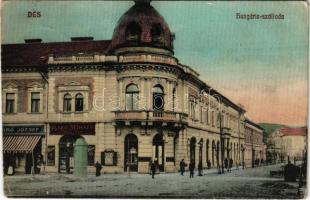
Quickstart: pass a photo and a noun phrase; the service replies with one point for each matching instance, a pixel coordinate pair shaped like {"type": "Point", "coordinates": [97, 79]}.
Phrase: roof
{"type": "Point", "coordinates": [294, 131]}
{"type": "Point", "coordinates": [35, 54]}
{"type": "Point", "coordinates": [247, 120]}
{"type": "Point", "coordinates": [145, 16]}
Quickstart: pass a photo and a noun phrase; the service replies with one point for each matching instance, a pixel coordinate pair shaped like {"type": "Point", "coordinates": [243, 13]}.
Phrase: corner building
{"type": "Point", "coordinates": [129, 98]}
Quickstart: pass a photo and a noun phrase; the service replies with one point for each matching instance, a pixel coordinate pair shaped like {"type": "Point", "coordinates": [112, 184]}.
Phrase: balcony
{"type": "Point", "coordinates": [151, 116]}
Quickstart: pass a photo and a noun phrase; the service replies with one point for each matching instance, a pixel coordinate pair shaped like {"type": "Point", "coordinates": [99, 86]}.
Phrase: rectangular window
{"type": "Point", "coordinates": [212, 118]}
{"type": "Point", "coordinates": [132, 101]}
{"type": "Point", "coordinates": [91, 154]}
{"type": "Point", "coordinates": [35, 102]}
{"type": "Point", "coordinates": [207, 116]}
{"type": "Point", "coordinates": [50, 155]}
{"type": "Point", "coordinates": [201, 112]}
{"type": "Point", "coordinates": [10, 101]}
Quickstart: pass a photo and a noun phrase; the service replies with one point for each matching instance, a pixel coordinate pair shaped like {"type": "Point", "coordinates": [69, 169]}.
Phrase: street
{"type": "Point", "coordinates": [248, 183]}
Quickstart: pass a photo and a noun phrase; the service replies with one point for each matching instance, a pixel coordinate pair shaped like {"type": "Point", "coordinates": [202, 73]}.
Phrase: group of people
{"type": "Point", "coordinates": [228, 163]}
{"type": "Point", "coordinates": [191, 168]}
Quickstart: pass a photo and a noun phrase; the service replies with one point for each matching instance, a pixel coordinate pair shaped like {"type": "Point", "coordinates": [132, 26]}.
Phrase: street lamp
{"type": "Point", "coordinates": [221, 131]}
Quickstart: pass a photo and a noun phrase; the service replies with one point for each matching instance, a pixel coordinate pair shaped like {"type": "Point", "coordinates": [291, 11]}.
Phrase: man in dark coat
{"type": "Point", "coordinates": [153, 169]}
{"type": "Point", "coordinates": [209, 164]}
{"type": "Point", "coordinates": [191, 169]}
{"type": "Point", "coordinates": [98, 168]}
{"type": "Point", "coordinates": [226, 163]}
{"type": "Point", "coordinates": [182, 167]}
{"type": "Point", "coordinates": [200, 168]}
{"type": "Point", "coordinates": [230, 164]}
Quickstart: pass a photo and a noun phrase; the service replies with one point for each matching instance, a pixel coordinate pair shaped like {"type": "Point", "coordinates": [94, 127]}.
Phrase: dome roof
{"type": "Point", "coordinates": [142, 26]}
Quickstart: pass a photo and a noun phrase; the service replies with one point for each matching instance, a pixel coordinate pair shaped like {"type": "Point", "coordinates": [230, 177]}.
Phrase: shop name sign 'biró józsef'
{"type": "Point", "coordinates": [23, 130]}
{"type": "Point", "coordinates": [72, 129]}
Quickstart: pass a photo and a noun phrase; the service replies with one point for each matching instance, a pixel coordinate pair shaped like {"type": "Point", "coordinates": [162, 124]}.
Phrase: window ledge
{"type": "Point", "coordinates": [14, 113]}
{"type": "Point", "coordinates": [35, 113]}
{"type": "Point", "coordinates": [77, 112]}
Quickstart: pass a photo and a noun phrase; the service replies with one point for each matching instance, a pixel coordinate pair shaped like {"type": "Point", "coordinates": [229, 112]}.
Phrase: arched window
{"type": "Point", "coordinates": [133, 32]}
{"type": "Point", "coordinates": [158, 98]}
{"type": "Point", "coordinates": [157, 33]}
{"type": "Point", "coordinates": [79, 102]}
{"type": "Point", "coordinates": [132, 95]}
{"type": "Point", "coordinates": [67, 103]}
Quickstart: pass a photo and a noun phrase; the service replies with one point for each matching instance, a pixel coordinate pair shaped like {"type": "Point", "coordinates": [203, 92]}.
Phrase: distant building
{"type": "Point", "coordinates": [255, 149]}
{"type": "Point", "coordinates": [287, 143]}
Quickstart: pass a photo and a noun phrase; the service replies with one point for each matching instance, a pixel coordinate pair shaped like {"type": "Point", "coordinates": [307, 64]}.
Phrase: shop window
{"type": "Point", "coordinates": [109, 158]}
{"type": "Point", "coordinates": [132, 95]}
{"type": "Point", "coordinates": [51, 155]}
{"type": "Point", "coordinates": [10, 102]}
{"type": "Point", "coordinates": [79, 101]}
{"type": "Point", "coordinates": [67, 103]}
{"type": "Point", "coordinates": [91, 154]}
{"type": "Point", "coordinates": [35, 102]}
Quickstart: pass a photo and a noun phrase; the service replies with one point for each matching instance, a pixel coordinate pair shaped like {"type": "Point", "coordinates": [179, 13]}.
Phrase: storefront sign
{"type": "Point", "coordinates": [24, 130]}
{"type": "Point", "coordinates": [72, 129]}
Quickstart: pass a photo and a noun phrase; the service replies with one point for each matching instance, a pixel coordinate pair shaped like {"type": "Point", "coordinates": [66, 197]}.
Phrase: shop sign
{"type": "Point", "coordinates": [24, 130]}
{"type": "Point", "coordinates": [72, 129]}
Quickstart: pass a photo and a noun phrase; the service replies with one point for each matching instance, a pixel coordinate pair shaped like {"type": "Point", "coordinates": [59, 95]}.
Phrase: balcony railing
{"type": "Point", "coordinates": [160, 116]}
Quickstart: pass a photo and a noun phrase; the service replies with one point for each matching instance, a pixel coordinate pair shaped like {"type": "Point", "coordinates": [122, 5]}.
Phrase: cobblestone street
{"type": "Point", "coordinates": [248, 183]}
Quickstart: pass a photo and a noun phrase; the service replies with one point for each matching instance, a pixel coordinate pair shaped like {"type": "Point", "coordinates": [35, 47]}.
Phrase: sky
{"type": "Point", "coordinates": [261, 64]}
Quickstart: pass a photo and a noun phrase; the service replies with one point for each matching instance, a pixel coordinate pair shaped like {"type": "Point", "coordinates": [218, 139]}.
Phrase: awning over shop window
{"type": "Point", "coordinates": [19, 144]}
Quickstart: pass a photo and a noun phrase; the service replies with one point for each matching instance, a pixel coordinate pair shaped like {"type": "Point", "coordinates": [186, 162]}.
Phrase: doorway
{"type": "Point", "coordinates": [66, 158]}
{"type": "Point", "coordinates": [131, 153]}
{"type": "Point", "coordinates": [192, 149]}
{"type": "Point", "coordinates": [159, 151]}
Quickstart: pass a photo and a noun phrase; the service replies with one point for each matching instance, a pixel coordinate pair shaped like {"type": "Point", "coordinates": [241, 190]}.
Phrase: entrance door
{"type": "Point", "coordinates": [131, 153]}
{"type": "Point", "coordinates": [192, 149]}
{"type": "Point", "coordinates": [158, 151]}
{"type": "Point", "coordinates": [66, 159]}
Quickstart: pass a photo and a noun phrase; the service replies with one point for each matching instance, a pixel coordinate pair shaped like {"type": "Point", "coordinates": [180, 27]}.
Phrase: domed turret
{"type": "Point", "coordinates": [142, 26]}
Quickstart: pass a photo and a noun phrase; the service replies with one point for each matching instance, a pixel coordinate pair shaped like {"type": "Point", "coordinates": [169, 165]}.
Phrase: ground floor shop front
{"type": "Point", "coordinates": [131, 148]}
{"type": "Point", "coordinates": [22, 148]}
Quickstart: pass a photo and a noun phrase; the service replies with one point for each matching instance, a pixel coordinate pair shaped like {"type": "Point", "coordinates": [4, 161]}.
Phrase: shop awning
{"type": "Point", "coordinates": [19, 144]}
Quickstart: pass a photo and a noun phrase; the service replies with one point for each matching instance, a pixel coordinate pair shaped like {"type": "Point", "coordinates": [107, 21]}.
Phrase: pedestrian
{"type": "Point", "coordinates": [209, 164]}
{"type": "Point", "coordinates": [226, 163]}
{"type": "Point", "coordinates": [200, 168]}
{"type": "Point", "coordinates": [150, 163]}
{"type": "Point", "coordinates": [98, 168]}
{"type": "Point", "coordinates": [230, 164]}
{"type": "Point", "coordinates": [153, 169]}
{"type": "Point", "coordinates": [182, 167]}
{"type": "Point", "coordinates": [191, 169]}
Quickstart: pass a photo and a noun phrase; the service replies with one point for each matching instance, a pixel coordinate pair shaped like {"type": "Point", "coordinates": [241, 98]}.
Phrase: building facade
{"type": "Point", "coordinates": [255, 149]}
{"type": "Point", "coordinates": [287, 144]}
{"type": "Point", "coordinates": [129, 98]}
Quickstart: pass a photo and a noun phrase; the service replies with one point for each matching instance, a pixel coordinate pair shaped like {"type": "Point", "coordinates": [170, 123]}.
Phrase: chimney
{"type": "Point", "coordinates": [74, 39]}
{"type": "Point", "coordinates": [36, 40]}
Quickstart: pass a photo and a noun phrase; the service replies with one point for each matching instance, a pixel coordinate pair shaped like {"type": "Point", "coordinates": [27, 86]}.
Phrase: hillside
{"type": "Point", "coordinates": [269, 128]}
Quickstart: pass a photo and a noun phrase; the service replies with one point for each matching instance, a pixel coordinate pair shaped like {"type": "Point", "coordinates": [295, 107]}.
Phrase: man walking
{"type": "Point", "coordinates": [191, 169]}
{"type": "Point", "coordinates": [98, 168]}
{"type": "Point", "coordinates": [200, 168]}
{"type": "Point", "coordinates": [182, 166]}
{"type": "Point", "coordinates": [153, 169]}
{"type": "Point", "coordinates": [230, 164]}
{"type": "Point", "coordinates": [226, 164]}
